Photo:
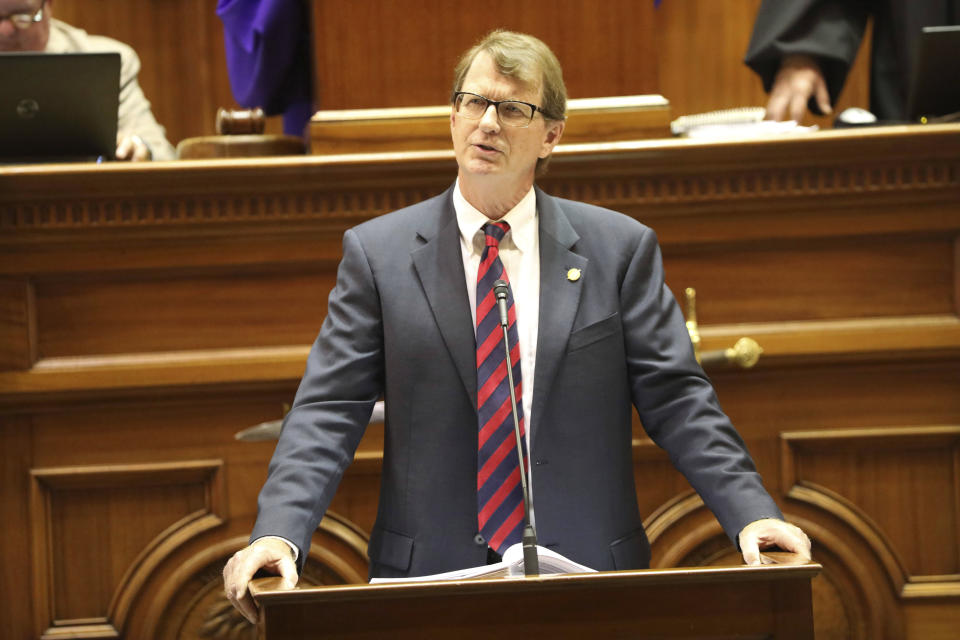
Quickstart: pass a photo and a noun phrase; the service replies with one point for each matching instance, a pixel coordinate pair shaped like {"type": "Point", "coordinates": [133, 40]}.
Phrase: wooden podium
{"type": "Point", "coordinates": [772, 601]}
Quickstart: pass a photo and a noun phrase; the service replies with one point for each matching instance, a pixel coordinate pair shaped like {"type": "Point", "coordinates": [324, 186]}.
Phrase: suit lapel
{"type": "Point", "coordinates": [439, 265]}
{"type": "Point", "coordinates": [559, 299]}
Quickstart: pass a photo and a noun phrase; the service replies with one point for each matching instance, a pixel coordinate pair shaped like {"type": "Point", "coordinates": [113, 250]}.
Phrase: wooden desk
{"type": "Point", "coordinates": [148, 313]}
{"type": "Point", "coordinates": [730, 602]}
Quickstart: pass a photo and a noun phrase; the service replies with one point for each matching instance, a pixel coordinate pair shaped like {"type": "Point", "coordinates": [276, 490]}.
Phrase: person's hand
{"type": "Point", "coordinates": [799, 78]}
{"type": "Point", "coordinates": [771, 532]}
{"type": "Point", "coordinates": [271, 554]}
{"type": "Point", "coordinates": [133, 148]}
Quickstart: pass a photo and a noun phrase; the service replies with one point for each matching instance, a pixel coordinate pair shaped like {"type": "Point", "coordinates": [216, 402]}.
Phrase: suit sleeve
{"type": "Point", "coordinates": [135, 116]}
{"type": "Point", "coordinates": [343, 379]}
{"type": "Point", "coordinates": [830, 31]}
{"type": "Point", "coordinates": [676, 402]}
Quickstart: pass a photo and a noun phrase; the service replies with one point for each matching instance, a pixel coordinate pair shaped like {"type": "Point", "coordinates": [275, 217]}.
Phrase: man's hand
{"type": "Point", "coordinates": [799, 78]}
{"type": "Point", "coordinates": [271, 554]}
{"type": "Point", "coordinates": [133, 148]}
{"type": "Point", "coordinates": [771, 532]}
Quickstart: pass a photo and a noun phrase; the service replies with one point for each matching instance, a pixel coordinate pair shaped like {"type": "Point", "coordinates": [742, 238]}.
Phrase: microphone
{"type": "Point", "coordinates": [531, 565]}
{"type": "Point", "coordinates": [500, 290]}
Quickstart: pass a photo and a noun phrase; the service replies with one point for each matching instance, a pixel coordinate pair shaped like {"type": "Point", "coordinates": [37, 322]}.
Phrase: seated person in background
{"type": "Point", "coordinates": [28, 25]}
{"type": "Point", "coordinates": [803, 50]}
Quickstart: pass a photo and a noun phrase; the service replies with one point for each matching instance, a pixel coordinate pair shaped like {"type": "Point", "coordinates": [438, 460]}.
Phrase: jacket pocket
{"type": "Point", "coordinates": [631, 551]}
{"type": "Point", "coordinates": [390, 549]}
{"type": "Point", "coordinates": [594, 333]}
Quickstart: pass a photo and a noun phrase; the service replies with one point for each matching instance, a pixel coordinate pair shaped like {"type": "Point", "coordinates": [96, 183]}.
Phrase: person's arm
{"type": "Point", "coordinates": [802, 50]}
{"type": "Point", "coordinates": [139, 135]}
{"type": "Point", "coordinates": [343, 380]}
{"type": "Point", "coordinates": [676, 402]}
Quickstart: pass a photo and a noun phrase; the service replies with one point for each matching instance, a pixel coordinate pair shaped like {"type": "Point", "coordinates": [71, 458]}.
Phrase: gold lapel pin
{"type": "Point", "coordinates": [573, 274]}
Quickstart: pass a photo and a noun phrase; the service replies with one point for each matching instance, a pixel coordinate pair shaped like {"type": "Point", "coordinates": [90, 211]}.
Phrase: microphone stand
{"type": "Point", "coordinates": [531, 564]}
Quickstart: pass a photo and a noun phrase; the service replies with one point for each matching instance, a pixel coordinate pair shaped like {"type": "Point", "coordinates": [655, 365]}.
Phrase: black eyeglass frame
{"type": "Point", "coordinates": [496, 104]}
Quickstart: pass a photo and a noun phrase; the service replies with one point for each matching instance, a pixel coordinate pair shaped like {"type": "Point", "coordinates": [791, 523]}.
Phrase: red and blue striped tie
{"type": "Point", "coordinates": [499, 496]}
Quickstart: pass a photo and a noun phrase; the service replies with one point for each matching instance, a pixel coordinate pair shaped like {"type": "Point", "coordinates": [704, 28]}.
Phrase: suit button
{"type": "Point", "coordinates": [479, 540]}
{"type": "Point", "coordinates": [540, 463]}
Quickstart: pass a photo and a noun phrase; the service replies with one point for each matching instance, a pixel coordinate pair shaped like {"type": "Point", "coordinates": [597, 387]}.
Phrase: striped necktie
{"type": "Point", "coordinates": [499, 494]}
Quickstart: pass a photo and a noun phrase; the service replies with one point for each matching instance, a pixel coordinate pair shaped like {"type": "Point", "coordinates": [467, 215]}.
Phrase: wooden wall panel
{"type": "Point", "coordinates": [932, 619]}
{"type": "Point", "coordinates": [103, 315]}
{"type": "Point", "coordinates": [700, 49]}
{"type": "Point", "coordinates": [905, 480]}
{"type": "Point", "coordinates": [18, 334]}
{"type": "Point", "coordinates": [15, 461]}
{"type": "Point", "coordinates": [100, 531]}
{"type": "Point", "coordinates": [831, 393]}
{"type": "Point", "coordinates": [855, 278]}
{"type": "Point", "coordinates": [691, 51]}
{"type": "Point", "coordinates": [408, 57]}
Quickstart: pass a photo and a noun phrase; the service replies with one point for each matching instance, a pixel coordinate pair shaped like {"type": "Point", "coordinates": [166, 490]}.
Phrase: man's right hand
{"type": "Point", "coordinates": [799, 78]}
{"type": "Point", "coordinates": [273, 555]}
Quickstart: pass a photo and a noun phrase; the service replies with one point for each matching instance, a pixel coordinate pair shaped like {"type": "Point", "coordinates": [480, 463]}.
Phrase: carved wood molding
{"type": "Point", "coordinates": [859, 578]}
{"type": "Point", "coordinates": [260, 196]}
{"type": "Point", "coordinates": [18, 330]}
{"type": "Point", "coordinates": [795, 183]}
{"type": "Point", "coordinates": [190, 601]}
{"type": "Point", "coordinates": [678, 527]}
{"type": "Point", "coordinates": [796, 487]}
{"type": "Point", "coordinates": [784, 344]}
{"type": "Point", "coordinates": [48, 485]}
{"type": "Point", "coordinates": [683, 532]}
{"type": "Point", "coordinates": [843, 340]}
{"type": "Point", "coordinates": [193, 371]}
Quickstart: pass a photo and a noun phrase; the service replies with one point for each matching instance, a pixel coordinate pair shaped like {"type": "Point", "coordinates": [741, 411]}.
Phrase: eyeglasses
{"type": "Point", "coordinates": [511, 112]}
{"type": "Point", "coordinates": [24, 20]}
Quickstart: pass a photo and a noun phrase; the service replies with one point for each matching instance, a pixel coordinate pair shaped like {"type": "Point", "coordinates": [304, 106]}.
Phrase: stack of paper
{"type": "Point", "coordinates": [511, 565]}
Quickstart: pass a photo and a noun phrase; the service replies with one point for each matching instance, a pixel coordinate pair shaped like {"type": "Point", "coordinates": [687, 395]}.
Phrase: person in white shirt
{"type": "Point", "coordinates": [28, 25]}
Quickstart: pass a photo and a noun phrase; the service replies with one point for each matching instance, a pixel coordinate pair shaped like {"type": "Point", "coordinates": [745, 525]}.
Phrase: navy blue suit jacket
{"type": "Point", "coordinates": [399, 324]}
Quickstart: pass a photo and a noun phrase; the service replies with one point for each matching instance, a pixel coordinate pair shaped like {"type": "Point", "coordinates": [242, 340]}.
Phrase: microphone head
{"type": "Point", "coordinates": [500, 289]}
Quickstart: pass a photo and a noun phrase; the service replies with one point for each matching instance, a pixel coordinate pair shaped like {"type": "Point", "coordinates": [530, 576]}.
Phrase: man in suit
{"type": "Point", "coordinates": [28, 25]}
{"type": "Point", "coordinates": [803, 49]}
{"type": "Point", "coordinates": [594, 330]}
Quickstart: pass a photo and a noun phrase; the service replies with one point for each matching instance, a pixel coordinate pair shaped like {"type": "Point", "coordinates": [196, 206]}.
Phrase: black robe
{"type": "Point", "coordinates": [831, 30]}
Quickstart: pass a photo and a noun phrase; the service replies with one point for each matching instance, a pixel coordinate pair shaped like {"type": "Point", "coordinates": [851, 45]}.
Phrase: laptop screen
{"type": "Point", "coordinates": [935, 88]}
{"type": "Point", "coordinates": [58, 106]}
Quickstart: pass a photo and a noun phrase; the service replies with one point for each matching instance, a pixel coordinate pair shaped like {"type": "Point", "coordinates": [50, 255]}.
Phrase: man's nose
{"type": "Point", "coordinates": [490, 120]}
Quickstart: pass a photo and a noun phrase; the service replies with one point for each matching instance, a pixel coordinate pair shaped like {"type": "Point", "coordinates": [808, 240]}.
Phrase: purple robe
{"type": "Point", "coordinates": [268, 57]}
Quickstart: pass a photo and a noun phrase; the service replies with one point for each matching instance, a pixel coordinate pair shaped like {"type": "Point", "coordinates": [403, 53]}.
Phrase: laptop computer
{"type": "Point", "coordinates": [58, 107]}
{"type": "Point", "coordinates": [935, 84]}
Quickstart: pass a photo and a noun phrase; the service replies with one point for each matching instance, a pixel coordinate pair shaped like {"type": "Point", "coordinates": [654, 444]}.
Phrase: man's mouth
{"type": "Point", "coordinates": [485, 147]}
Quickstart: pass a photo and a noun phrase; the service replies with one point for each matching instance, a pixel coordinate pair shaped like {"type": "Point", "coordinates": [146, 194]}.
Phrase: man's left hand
{"type": "Point", "coordinates": [771, 532]}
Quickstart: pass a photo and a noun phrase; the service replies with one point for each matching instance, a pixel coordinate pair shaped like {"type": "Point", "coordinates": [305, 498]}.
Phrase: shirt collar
{"type": "Point", "coordinates": [522, 220]}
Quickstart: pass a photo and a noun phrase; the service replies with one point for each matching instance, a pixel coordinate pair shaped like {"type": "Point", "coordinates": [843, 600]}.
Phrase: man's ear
{"type": "Point", "coordinates": [552, 137]}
